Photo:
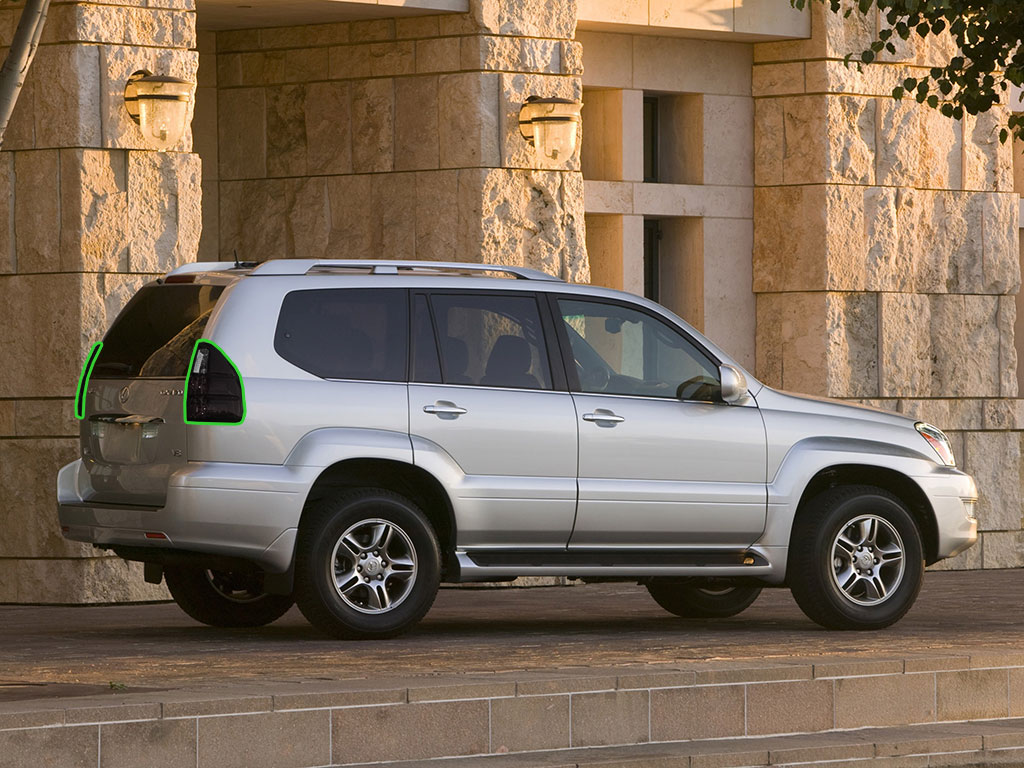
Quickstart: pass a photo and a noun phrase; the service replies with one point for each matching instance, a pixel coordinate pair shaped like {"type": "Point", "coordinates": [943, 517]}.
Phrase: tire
{"type": "Point", "coordinates": [842, 587]}
{"type": "Point", "coordinates": [702, 598]}
{"type": "Point", "coordinates": [224, 599]}
{"type": "Point", "coordinates": [350, 586]}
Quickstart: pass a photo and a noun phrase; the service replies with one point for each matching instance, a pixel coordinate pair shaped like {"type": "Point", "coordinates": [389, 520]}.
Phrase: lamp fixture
{"type": "Point", "coordinates": [550, 125]}
{"type": "Point", "coordinates": [159, 105]}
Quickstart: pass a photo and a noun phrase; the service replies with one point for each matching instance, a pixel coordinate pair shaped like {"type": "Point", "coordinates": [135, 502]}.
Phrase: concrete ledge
{"type": "Point", "coordinates": [932, 705]}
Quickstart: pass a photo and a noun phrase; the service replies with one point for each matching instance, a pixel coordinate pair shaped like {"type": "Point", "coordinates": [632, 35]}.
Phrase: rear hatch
{"type": "Point", "coordinates": [133, 433]}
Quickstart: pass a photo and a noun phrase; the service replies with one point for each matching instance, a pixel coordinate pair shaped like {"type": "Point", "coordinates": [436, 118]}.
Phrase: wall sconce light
{"type": "Point", "coordinates": [550, 126]}
{"type": "Point", "coordinates": [159, 105]}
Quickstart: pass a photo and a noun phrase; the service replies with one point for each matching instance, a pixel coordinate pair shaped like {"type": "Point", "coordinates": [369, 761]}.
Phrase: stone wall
{"type": "Point", "coordinates": [88, 213]}
{"type": "Point", "coordinates": [886, 254]}
{"type": "Point", "coordinates": [398, 138]}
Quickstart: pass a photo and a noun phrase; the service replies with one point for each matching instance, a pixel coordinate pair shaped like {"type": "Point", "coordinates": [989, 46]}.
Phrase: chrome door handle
{"type": "Point", "coordinates": [444, 408]}
{"type": "Point", "coordinates": [603, 416]}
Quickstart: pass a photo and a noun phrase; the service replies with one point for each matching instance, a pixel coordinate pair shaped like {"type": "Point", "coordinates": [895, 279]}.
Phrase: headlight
{"type": "Point", "coordinates": [937, 440]}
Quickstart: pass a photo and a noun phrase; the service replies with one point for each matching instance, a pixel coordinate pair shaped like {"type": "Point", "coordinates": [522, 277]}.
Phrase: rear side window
{"type": "Point", "coordinates": [491, 341]}
{"type": "Point", "coordinates": [346, 333]}
{"type": "Point", "coordinates": [155, 333]}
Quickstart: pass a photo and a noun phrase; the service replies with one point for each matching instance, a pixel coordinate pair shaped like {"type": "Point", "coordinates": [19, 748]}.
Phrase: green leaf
{"type": "Point", "coordinates": [1003, 135]}
{"type": "Point", "coordinates": [867, 57]}
{"type": "Point", "coordinates": [898, 93]}
{"type": "Point", "coordinates": [933, 101]}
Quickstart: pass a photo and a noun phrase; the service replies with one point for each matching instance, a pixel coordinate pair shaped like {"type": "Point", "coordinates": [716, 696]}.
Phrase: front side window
{"type": "Point", "coordinates": [622, 351]}
{"type": "Point", "coordinates": [491, 341]}
{"type": "Point", "coordinates": [346, 333]}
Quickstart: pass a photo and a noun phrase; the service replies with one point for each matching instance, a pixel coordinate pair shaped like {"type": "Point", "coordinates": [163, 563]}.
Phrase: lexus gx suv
{"type": "Point", "coordinates": [346, 435]}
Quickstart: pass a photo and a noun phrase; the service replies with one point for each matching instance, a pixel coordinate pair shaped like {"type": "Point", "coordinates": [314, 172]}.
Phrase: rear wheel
{"type": "Point", "coordinates": [856, 559]}
{"type": "Point", "coordinates": [702, 598]}
{"type": "Point", "coordinates": [224, 598]}
{"type": "Point", "coordinates": [368, 565]}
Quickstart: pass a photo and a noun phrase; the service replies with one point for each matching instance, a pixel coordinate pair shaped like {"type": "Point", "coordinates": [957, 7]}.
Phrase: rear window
{"type": "Point", "coordinates": [155, 333]}
{"type": "Point", "coordinates": [346, 333]}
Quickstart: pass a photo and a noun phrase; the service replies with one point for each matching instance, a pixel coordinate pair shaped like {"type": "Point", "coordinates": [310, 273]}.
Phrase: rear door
{"type": "Point", "coordinates": [133, 431]}
{"type": "Point", "coordinates": [496, 403]}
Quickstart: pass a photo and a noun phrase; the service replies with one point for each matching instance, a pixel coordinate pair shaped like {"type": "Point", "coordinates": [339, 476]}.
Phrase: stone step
{"type": "Point", "coordinates": [978, 743]}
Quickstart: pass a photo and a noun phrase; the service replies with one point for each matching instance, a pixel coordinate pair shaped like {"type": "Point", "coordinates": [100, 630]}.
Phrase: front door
{"type": "Point", "coordinates": [490, 402]}
{"type": "Point", "coordinates": [663, 462]}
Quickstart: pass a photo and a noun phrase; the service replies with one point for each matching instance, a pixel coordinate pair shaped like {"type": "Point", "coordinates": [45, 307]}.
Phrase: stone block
{"type": "Point", "coordinates": [238, 40]}
{"type": "Point", "coordinates": [437, 215]}
{"type": "Point", "coordinates": [209, 246]}
{"type": "Point", "coordinates": [728, 140]}
{"type": "Point", "coordinates": [905, 360]}
{"type": "Point", "coordinates": [392, 59]}
{"type": "Point", "coordinates": [785, 79]}
{"type": "Point", "coordinates": [442, 54]}
{"type": "Point", "coordinates": [150, 744]}
{"type": "Point", "coordinates": [700, 712]}
{"type": "Point", "coordinates": [165, 210]}
{"type": "Point", "coordinates": [37, 210]}
{"type": "Point", "coordinates": [261, 67]}
{"type": "Point", "coordinates": [806, 151]}
{"type": "Point", "coordinates": [834, 77]}
{"type": "Point", "coordinates": [691, 66]}
{"type": "Point", "coordinates": [572, 58]}
{"type": "Point", "coordinates": [372, 30]}
{"type": "Point", "coordinates": [468, 128]}
{"type": "Point", "coordinates": [808, 708]}
{"type": "Point", "coordinates": [416, 27]}
{"type": "Point", "coordinates": [78, 580]}
{"type": "Point", "coordinates": [305, 36]}
{"type": "Point", "coordinates": [526, 18]}
{"type": "Point", "coordinates": [607, 59]}
{"type": "Point", "coordinates": [7, 428]}
{"type": "Point", "coordinates": [328, 128]}
{"type": "Point", "coordinates": [76, 747]}
{"type": "Point", "coordinates": [242, 133]}
{"type": "Point", "coordinates": [965, 345]}
{"type": "Point", "coordinates": [790, 238]}
{"type": "Point", "coordinates": [94, 210]}
{"type": "Point", "coordinates": [1007, 318]}
{"type": "Point", "coordinates": [940, 150]}
{"type": "Point", "coordinates": [348, 61]}
{"type": "Point", "coordinates": [393, 198]}
{"type": "Point", "coordinates": [286, 130]}
{"type": "Point", "coordinates": [67, 96]}
{"type": "Point", "coordinates": [363, 734]}
{"type": "Point", "coordinates": [353, 220]}
{"type": "Point", "coordinates": [769, 142]}
{"type": "Point", "coordinates": [1003, 549]}
{"type": "Point", "coordinates": [529, 723]}
{"type": "Point", "coordinates": [791, 341]}
{"type": "Point", "coordinates": [1000, 238]}
{"type": "Point", "coordinates": [514, 90]}
{"type": "Point", "coordinates": [884, 700]}
{"type": "Point", "coordinates": [229, 69]}
{"type": "Point", "coordinates": [373, 143]}
{"type": "Point", "coordinates": [852, 362]}
{"type": "Point", "coordinates": [988, 163]}
{"type": "Point", "coordinates": [416, 117]}
{"type": "Point", "coordinates": [252, 219]}
{"type": "Point", "coordinates": [273, 740]}
{"type": "Point", "coordinates": [204, 130]}
{"type": "Point", "coordinates": [306, 202]}
{"type": "Point", "coordinates": [305, 64]}
{"type": "Point", "coordinates": [614, 717]}
{"type": "Point", "coordinates": [993, 458]}
{"type": "Point", "coordinates": [45, 419]}
{"type": "Point", "coordinates": [975, 694]}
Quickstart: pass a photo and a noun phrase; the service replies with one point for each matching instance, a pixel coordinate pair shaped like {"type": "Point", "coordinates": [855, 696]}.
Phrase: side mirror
{"type": "Point", "coordinates": [734, 383]}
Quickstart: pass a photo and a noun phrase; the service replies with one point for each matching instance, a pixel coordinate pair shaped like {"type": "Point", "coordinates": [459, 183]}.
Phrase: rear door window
{"type": "Point", "coordinates": [346, 333]}
{"type": "Point", "coordinates": [491, 340]}
{"type": "Point", "coordinates": [155, 333]}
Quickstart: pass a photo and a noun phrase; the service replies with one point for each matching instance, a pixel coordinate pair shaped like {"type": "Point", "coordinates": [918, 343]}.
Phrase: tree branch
{"type": "Point", "coordinates": [19, 58]}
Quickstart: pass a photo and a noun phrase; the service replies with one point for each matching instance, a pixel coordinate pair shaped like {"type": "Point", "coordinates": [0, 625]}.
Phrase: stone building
{"type": "Point", "coordinates": [837, 242]}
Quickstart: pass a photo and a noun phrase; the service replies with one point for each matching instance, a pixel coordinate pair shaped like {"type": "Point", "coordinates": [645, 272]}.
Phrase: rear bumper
{"type": "Point", "coordinates": [953, 496]}
{"type": "Point", "coordinates": [245, 511]}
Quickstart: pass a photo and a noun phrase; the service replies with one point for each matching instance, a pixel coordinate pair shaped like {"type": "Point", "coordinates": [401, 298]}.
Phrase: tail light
{"type": "Point", "coordinates": [83, 380]}
{"type": "Point", "coordinates": [214, 393]}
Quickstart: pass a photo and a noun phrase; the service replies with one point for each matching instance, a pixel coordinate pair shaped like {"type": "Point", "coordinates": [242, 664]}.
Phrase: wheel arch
{"type": "Point", "coordinates": [410, 481]}
{"type": "Point", "coordinates": [897, 483]}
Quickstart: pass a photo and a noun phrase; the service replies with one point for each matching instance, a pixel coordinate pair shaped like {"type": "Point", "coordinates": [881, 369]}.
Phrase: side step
{"type": "Point", "coordinates": [977, 743]}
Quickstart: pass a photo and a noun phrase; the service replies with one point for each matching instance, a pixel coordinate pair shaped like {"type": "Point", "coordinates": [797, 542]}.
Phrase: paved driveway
{"type": "Point", "coordinates": [490, 630]}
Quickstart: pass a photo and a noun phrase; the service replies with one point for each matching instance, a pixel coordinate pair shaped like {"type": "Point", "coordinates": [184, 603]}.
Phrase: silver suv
{"type": "Point", "coordinates": [347, 435]}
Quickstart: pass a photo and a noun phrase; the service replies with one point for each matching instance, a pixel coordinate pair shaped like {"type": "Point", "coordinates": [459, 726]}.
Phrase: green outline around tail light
{"type": "Point", "coordinates": [188, 377]}
{"type": "Point", "coordinates": [83, 380]}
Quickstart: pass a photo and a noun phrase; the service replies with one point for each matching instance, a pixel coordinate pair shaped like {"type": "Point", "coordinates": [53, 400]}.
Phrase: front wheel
{"type": "Point", "coordinates": [702, 598]}
{"type": "Point", "coordinates": [368, 565]}
{"type": "Point", "coordinates": [224, 598]}
{"type": "Point", "coordinates": [856, 559]}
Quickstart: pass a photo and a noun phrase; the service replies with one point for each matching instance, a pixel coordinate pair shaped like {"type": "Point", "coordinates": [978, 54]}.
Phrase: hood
{"type": "Point", "coordinates": [775, 399]}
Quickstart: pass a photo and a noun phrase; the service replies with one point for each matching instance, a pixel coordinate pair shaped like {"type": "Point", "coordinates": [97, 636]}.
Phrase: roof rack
{"type": "Point", "coordinates": [383, 267]}
{"type": "Point", "coordinates": [205, 266]}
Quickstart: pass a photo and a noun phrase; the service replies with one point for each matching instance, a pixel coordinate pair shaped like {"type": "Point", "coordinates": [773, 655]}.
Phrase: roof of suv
{"type": "Point", "coordinates": [293, 267]}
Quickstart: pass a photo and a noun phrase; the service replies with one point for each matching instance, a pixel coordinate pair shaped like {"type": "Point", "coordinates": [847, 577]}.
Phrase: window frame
{"type": "Point", "coordinates": [403, 378]}
{"type": "Point", "coordinates": [548, 330]}
{"type": "Point", "coordinates": [569, 361]}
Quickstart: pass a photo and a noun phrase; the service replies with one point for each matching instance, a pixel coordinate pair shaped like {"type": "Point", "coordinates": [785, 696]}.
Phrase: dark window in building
{"type": "Point", "coordinates": [346, 333]}
{"type": "Point", "coordinates": [652, 266]}
{"type": "Point", "coordinates": [155, 333]}
{"type": "Point", "coordinates": [650, 138]}
{"type": "Point", "coordinates": [491, 341]}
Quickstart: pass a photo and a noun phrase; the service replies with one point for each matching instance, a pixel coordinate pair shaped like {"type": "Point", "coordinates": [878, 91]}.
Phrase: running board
{"type": "Point", "coordinates": [490, 564]}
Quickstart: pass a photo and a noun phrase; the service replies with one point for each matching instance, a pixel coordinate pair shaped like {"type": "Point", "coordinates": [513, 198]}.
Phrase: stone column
{"type": "Point", "coordinates": [89, 213]}
{"type": "Point", "coordinates": [886, 252]}
{"type": "Point", "coordinates": [399, 138]}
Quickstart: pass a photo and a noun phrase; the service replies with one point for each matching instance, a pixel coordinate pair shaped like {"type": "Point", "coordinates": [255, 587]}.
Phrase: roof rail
{"type": "Point", "coordinates": [385, 267]}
